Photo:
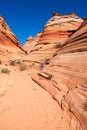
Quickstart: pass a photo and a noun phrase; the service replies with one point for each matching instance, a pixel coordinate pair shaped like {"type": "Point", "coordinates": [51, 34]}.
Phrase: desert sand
{"type": "Point", "coordinates": [24, 105]}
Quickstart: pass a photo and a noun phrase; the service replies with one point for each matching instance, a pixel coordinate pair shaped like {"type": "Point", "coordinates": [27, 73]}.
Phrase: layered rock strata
{"type": "Point", "coordinates": [65, 78]}
{"type": "Point", "coordinates": [8, 41]}
{"type": "Point", "coordinates": [56, 31]}
{"type": "Point", "coordinates": [59, 28]}
{"type": "Point", "coordinates": [31, 42]}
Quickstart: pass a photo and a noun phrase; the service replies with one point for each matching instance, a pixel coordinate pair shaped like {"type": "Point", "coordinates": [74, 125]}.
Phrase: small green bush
{"type": "Point", "coordinates": [22, 67]}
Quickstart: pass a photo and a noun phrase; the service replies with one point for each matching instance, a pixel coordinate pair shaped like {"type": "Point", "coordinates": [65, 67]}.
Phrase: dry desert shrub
{"type": "Point", "coordinates": [41, 66]}
{"type": "Point", "coordinates": [18, 62]}
{"type": "Point", "coordinates": [50, 76]}
{"type": "Point", "coordinates": [4, 70]}
{"type": "Point", "coordinates": [85, 106]}
{"type": "Point", "coordinates": [22, 67]}
{"type": "Point", "coordinates": [58, 45]}
{"type": "Point", "coordinates": [12, 62]}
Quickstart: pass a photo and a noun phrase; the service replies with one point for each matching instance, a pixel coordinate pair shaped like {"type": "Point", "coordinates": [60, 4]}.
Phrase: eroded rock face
{"type": "Point", "coordinates": [8, 41]}
{"type": "Point", "coordinates": [65, 78]}
{"type": "Point", "coordinates": [59, 28]}
{"type": "Point", "coordinates": [56, 31]}
{"type": "Point", "coordinates": [31, 42]}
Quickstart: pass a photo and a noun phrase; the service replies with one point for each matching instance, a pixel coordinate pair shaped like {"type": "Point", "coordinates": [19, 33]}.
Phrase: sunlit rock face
{"type": "Point", "coordinates": [65, 78]}
{"type": "Point", "coordinates": [59, 28]}
{"type": "Point", "coordinates": [31, 42]}
{"type": "Point", "coordinates": [56, 31]}
{"type": "Point", "coordinates": [8, 41]}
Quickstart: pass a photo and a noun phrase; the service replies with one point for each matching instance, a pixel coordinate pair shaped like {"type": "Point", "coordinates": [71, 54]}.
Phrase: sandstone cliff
{"type": "Point", "coordinates": [56, 31]}
{"type": "Point", "coordinates": [65, 78]}
{"type": "Point", "coordinates": [8, 41]}
{"type": "Point", "coordinates": [58, 28]}
{"type": "Point", "coordinates": [31, 42]}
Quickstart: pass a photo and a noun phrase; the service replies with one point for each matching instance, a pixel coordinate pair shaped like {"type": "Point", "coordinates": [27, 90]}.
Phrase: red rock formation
{"type": "Point", "coordinates": [55, 33]}
{"type": "Point", "coordinates": [59, 27]}
{"type": "Point", "coordinates": [7, 38]}
{"type": "Point", "coordinates": [65, 78]}
{"type": "Point", "coordinates": [31, 42]}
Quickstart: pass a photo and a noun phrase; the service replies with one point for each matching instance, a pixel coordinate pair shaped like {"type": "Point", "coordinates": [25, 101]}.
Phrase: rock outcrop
{"type": "Point", "coordinates": [65, 78]}
{"type": "Point", "coordinates": [8, 41]}
{"type": "Point", "coordinates": [59, 28]}
{"type": "Point", "coordinates": [31, 42]}
{"type": "Point", "coordinates": [56, 31]}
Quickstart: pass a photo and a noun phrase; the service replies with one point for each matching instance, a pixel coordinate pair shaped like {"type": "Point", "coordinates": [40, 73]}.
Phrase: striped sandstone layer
{"type": "Point", "coordinates": [8, 41]}
{"type": "Point", "coordinates": [65, 78]}
{"type": "Point", "coordinates": [56, 31]}
{"type": "Point", "coordinates": [59, 28]}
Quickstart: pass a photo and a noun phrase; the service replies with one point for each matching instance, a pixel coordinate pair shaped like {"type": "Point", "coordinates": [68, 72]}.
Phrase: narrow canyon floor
{"type": "Point", "coordinates": [24, 105]}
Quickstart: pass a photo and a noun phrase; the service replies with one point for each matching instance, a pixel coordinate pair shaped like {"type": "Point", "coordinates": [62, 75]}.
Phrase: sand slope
{"type": "Point", "coordinates": [26, 106]}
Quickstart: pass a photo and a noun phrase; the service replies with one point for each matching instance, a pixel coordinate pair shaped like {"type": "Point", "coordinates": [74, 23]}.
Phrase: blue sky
{"type": "Point", "coordinates": [28, 17]}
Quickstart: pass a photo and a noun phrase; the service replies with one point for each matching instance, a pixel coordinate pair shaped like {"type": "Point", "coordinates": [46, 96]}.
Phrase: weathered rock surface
{"type": "Point", "coordinates": [59, 28]}
{"type": "Point", "coordinates": [8, 41]}
{"type": "Point", "coordinates": [31, 42]}
{"type": "Point", "coordinates": [55, 33]}
{"type": "Point", "coordinates": [65, 78]}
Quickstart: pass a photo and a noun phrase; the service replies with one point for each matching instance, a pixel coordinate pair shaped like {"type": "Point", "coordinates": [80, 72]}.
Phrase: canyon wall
{"type": "Point", "coordinates": [9, 44]}
{"type": "Point", "coordinates": [56, 31]}
{"type": "Point", "coordinates": [65, 78]}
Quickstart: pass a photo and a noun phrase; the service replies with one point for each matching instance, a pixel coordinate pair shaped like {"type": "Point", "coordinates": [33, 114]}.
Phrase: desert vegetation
{"type": "Point", "coordinates": [12, 62]}
{"type": "Point", "coordinates": [4, 70]}
{"type": "Point", "coordinates": [58, 45]}
{"type": "Point", "coordinates": [18, 62]}
{"type": "Point", "coordinates": [22, 67]}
